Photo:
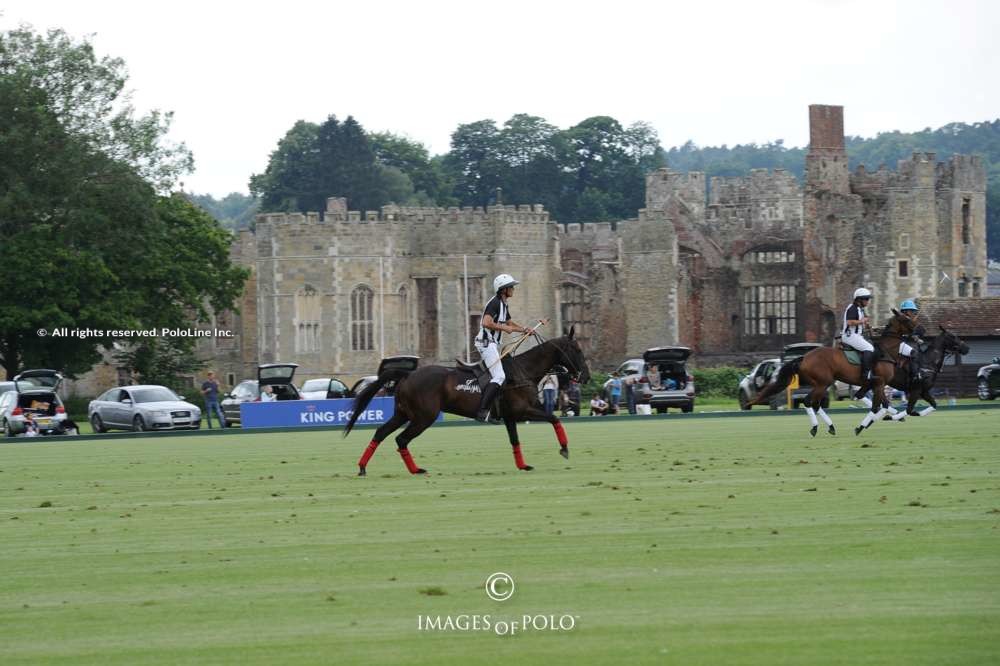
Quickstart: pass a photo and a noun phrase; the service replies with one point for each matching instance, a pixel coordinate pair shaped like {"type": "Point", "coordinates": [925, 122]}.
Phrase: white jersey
{"type": "Point", "coordinates": [497, 309]}
{"type": "Point", "coordinates": [853, 313]}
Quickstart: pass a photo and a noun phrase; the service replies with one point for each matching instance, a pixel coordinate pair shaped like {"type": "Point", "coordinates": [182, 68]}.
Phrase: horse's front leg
{"type": "Point", "coordinates": [515, 444]}
{"type": "Point", "coordinates": [536, 412]}
{"type": "Point", "coordinates": [878, 409]}
{"type": "Point", "coordinates": [925, 393]}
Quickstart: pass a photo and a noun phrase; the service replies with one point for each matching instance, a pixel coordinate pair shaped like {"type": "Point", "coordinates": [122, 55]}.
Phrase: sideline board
{"type": "Point", "coordinates": [306, 413]}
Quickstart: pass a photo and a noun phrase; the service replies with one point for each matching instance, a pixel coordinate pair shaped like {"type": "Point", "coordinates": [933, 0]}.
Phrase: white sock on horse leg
{"type": "Point", "coordinates": [926, 410]}
{"type": "Point", "coordinates": [869, 417]}
{"type": "Point", "coordinates": [812, 416]}
{"type": "Point", "coordinates": [881, 414]}
{"type": "Point", "coordinates": [826, 417]}
{"type": "Point", "coordinates": [864, 400]}
{"type": "Point", "coordinates": [899, 416]}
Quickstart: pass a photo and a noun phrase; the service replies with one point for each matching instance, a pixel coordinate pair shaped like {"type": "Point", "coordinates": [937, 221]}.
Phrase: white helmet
{"type": "Point", "coordinates": [503, 280]}
{"type": "Point", "coordinates": [861, 292]}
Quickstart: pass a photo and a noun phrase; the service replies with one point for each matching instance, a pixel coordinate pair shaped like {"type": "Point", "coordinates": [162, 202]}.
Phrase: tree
{"type": "Point", "coordinates": [410, 158]}
{"type": "Point", "coordinates": [83, 234]}
{"type": "Point", "coordinates": [474, 162]}
{"type": "Point", "coordinates": [291, 179]}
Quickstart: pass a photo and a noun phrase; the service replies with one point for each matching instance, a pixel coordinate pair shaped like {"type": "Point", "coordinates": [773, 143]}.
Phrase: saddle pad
{"type": "Point", "coordinates": [853, 356]}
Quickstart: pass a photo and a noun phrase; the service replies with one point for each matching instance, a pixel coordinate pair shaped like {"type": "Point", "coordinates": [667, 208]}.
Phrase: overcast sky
{"type": "Point", "coordinates": [238, 75]}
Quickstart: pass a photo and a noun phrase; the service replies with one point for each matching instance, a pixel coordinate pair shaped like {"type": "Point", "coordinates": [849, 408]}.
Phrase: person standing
{"type": "Point", "coordinates": [572, 405]}
{"type": "Point", "coordinates": [615, 393]}
{"type": "Point", "coordinates": [550, 384]}
{"type": "Point", "coordinates": [629, 388]}
{"type": "Point", "coordinates": [210, 389]}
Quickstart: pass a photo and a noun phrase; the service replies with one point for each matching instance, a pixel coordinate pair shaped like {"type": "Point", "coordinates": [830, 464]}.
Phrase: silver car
{"type": "Point", "coordinates": [34, 396]}
{"type": "Point", "coordinates": [142, 407]}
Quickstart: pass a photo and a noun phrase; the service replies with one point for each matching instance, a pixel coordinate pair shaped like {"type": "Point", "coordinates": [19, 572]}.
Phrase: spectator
{"type": "Point", "coordinates": [615, 390]}
{"type": "Point", "coordinates": [550, 384]}
{"type": "Point", "coordinates": [571, 405]}
{"type": "Point", "coordinates": [598, 407]}
{"type": "Point", "coordinates": [267, 394]}
{"type": "Point", "coordinates": [629, 388]}
{"type": "Point", "coordinates": [210, 389]}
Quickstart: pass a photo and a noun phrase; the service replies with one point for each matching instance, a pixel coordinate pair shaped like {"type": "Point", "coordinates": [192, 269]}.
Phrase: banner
{"type": "Point", "coordinates": [305, 413]}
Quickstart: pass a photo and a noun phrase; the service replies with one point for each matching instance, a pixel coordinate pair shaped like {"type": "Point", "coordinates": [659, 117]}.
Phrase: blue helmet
{"type": "Point", "coordinates": [908, 304]}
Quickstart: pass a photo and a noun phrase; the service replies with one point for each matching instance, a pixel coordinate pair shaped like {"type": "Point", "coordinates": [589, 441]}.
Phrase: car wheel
{"type": "Point", "coordinates": [7, 431]}
{"type": "Point", "coordinates": [96, 423]}
{"type": "Point", "coordinates": [744, 402]}
{"type": "Point", "coordinates": [773, 405]}
{"type": "Point", "coordinates": [661, 410]}
{"type": "Point", "coordinates": [138, 425]}
{"type": "Point", "coordinates": [688, 409]}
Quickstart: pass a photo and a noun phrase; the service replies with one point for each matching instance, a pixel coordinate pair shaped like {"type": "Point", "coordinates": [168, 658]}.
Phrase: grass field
{"type": "Point", "coordinates": [669, 541]}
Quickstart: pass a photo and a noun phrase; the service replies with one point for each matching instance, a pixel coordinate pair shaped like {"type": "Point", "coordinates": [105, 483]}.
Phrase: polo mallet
{"type": "Point", "coordinates": [517, 344]}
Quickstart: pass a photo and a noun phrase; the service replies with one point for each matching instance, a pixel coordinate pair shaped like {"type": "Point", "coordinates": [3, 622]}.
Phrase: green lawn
{"type": "Point", "coordinates": [669, 541]}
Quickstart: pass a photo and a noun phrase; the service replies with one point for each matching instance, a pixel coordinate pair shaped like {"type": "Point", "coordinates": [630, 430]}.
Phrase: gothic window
{"type": "Point", "coordinates": [362, 319]}
{"type": "Point", "coordinates": [574, 312]}
{"type": "Point", "coordinates": [904, 269]}
{"type": "Point", "coordinates": [307, 318]}
{"type": "Point", "coordinates": [769, 310]}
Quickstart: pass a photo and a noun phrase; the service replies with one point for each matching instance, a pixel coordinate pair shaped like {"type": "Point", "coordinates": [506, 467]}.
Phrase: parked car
{"type": "Point", "coordinates": [766, 370]}
{"type": "Point", "coordinates": [276, 375]}
{"type": "Point", "coordinates": [6, 386]}
{"type": "Point", "coordinates": [141, 408]}
{"type": "Point", "coordinates": [325, 388]}
{"type": "Point", "coordinates": [668, 383]}
{"type": "Point", "coordinates": [35, 396]}
{"type": "Point", "coordinates": [988, 380]}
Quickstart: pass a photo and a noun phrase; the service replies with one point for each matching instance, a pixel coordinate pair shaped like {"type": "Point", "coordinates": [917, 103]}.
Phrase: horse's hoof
{"type": "Point", "coordinates": [812, 431]}
{"type": "Point", "coordinates": [420, 470]}
{"type": "Point", "coordinates": [832, 430]}
{"type": "Point", "coordinates": [527, 468]}
{"type": "Point", "coordinates": [564, 452]}
{"type": "Point", "coordinates": [857, 431]}
{"type": "Point", "coordinates": [887, 417]}
{"type": "Point", "coordinates": [362, 472]}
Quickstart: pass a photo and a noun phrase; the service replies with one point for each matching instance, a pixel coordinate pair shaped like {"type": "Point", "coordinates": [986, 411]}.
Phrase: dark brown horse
{"type": "Point", "coordinates": [424, 393]}
{"type": "Point", "coordinates": [932, 360]}
{"type": "Point", "coordinates": [821, 367]}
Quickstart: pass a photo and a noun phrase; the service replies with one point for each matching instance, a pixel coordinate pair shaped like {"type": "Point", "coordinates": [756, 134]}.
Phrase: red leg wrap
{"type": "Point", "coordinates": [518, 458]}
{"type": "Point", "coordinates": [560, 434]}
{"type": "Point", "coordinates": [369, 452]}
{"type": "Point", "coordinates": [408, 459]}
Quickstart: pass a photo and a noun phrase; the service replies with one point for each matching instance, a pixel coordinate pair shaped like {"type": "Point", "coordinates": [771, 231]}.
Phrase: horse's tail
{"type": "Point", "coordinates": [366, 395]}
{"type": "Point", "coordinates": [780, 382]}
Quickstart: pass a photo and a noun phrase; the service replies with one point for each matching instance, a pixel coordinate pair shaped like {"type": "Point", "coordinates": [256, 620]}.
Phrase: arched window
{"type": "Point", "coordinates": [404, 320]}
{"type": "Point", "coordinates": [362, 319]}
{"type": "Point", "coordinates": [307, 318]}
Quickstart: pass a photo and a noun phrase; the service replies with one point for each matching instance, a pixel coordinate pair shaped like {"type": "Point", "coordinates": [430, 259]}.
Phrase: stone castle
{"type": "Point", "coordinates": [730, 265]}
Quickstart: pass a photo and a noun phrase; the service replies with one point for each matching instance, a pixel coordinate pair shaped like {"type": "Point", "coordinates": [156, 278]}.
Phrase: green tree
{"type": "Point", "coordinates": [291, 178]}
{"type": "Point", "coordinates": [85, 238]}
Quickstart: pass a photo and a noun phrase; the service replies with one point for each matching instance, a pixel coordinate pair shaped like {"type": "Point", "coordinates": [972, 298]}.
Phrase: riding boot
{"type": "Point", "coordinates": [866, 373]}
{"type": "Point", "coordinates": [489, 395]}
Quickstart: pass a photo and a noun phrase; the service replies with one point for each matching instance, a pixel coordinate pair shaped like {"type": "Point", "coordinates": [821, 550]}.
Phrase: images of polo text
{"type": "Point", "coordinates": [86, 333]}
{"type": "Point", "coordinates": [499, 626]}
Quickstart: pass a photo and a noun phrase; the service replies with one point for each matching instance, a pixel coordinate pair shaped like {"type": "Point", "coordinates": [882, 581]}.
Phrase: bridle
{"type": "Point", "coordinates": [575, 371]}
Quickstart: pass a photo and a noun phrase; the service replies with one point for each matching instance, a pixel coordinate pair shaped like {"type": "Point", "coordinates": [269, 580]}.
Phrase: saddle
{"type": "Point", "coordinates": [853, 356]}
